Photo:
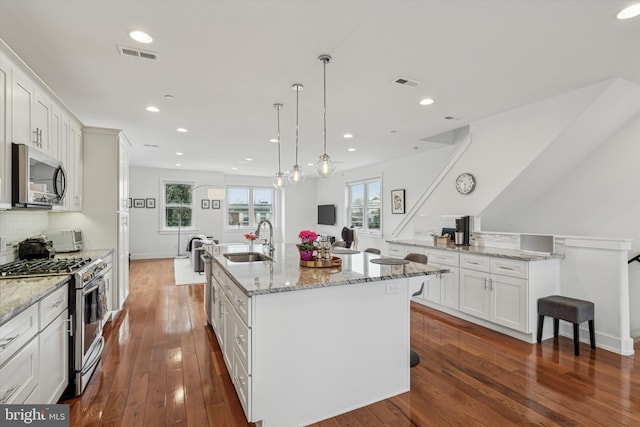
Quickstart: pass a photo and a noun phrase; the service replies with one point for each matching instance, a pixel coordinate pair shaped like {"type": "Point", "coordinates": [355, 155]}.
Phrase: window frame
{"type": "Point", "coordinates": [365, 206]}
{"type": "Point", "coordinates": [165, 205]}
{"type": "Point", "coordinates": [252, 224]}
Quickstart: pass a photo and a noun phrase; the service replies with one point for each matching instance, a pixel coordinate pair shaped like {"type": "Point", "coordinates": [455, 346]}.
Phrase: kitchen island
{"type": "Point", "coordinates": [304, 344]}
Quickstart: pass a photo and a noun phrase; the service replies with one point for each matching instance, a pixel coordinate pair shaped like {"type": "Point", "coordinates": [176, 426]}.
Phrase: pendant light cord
{"type": "Point", "coordinates": [324, 84]}
{"type": "Point", "coordinates": [297, 95]}
{"type": "Point", "coordinates": [278, 111]}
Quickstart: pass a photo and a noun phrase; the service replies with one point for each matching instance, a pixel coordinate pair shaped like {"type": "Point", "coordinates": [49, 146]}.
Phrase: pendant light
{"type": "Point", "coordinates": [296, 176]}
{"type": "Point", "coordinates": [279, 181]}
{"type": "Point", "coordinates": [325, 166]}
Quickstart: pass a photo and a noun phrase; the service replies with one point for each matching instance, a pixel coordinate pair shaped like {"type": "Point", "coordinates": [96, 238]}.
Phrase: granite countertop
{"type": "Point", "coordinates": [284, 273]}
{"type": "Point", "coordinates": [18, 294]}
{"type": "Point", "coordinates": [480, 250]}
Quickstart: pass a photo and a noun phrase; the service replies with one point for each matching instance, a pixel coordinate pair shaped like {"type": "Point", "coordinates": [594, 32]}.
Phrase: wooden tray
{"type": "Point", "coordinates": [322, 263]}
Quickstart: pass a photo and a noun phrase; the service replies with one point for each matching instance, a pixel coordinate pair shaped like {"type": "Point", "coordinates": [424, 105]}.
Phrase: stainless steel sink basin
{"type": "Point", "coordinates": [246, 256]}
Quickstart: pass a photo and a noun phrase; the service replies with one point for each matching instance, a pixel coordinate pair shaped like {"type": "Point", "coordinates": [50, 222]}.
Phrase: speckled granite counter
{"type": "Point", "coordinates": [18, 294]}
{"type": "Point", "coordinates": [478, 250]}
{"type": "Point", "coordinates": [285, 274]}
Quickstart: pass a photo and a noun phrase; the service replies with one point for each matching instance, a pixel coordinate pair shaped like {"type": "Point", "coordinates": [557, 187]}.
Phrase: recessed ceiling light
{"type": "Point", "coordinates": [249, 159]}
{"type": "Point", "coordinates": [234, 169]}
{"type": "Point", "coordinates": [347, 135]}
{"type": "Point", "coordinates": [426, 101]}
{"type": "Point", "coordinates": [152, 108]}
{"type": "Point", "coordinates": [310, 164]}
{"type": "Point", "coordinates": [273, 140]}
{"type": "Point", "coordinates": [179, 154]}
{"type": "Point", "coordinates": [351, 149]}
{"type": "Point", "coordinates": [178, 164]}
{"type": "Point", "coordinates": [629, 12]}
{"type": "Point", "coordinates": [183, 130]}
{"type": "Point", "coordinates": [141, 36]}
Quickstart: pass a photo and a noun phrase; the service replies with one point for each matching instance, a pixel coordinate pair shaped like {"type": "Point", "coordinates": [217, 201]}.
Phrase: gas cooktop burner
{"type": "Point", "coordinates": [42, 267]}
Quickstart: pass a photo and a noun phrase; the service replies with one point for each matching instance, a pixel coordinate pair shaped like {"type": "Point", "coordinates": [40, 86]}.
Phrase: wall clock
{"type": "Point", "coordinates": [465, 183]}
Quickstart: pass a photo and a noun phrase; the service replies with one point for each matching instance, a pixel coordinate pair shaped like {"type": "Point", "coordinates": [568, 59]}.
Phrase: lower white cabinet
{"type": "Point", "coordinates": [34, 352]}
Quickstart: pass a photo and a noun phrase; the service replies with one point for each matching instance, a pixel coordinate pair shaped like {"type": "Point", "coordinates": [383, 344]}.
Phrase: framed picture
{"type": "Point", "coordinates": [215, 204]}
{"type": "Point", "coordinates": [138, 203]}
{"type": "Point", "coordinates": [130, 202]}
{"type": "Point", "coordinates": [397, 201]}
{"type": "Point", "coordinates": [204, 203]}
{"type": "Point", "coordinates": [151, 203]}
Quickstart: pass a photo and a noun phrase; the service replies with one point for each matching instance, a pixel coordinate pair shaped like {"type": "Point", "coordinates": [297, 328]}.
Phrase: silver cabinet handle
{"type": "Point", "coordinates": [240, 339]}
{"type": "Point", "coordinates": [485, 283]}
{"type": "Point", "coordinates": [7, 395]}
{"type": "Point", "coordinates": [239, 302]}
{"type": "Point", "coordinates": [6, 342]}
{"type": "Point", "coordinates": [70, 330]}
{"type": "Point", "coordinates": [472, 262]}
{"type": "Point", "coordinates": [506, 268]}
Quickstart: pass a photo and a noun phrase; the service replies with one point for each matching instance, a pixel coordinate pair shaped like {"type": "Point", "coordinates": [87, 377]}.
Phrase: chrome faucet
{"type": "Point", "coordinates": [271, 246]}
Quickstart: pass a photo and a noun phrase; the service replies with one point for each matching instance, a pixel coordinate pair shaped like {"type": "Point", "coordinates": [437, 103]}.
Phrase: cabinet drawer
{"type": "Point", "coordinates": [52, 305]}
{"type": "Point", "coordinates": [510, 267]}
{"type": "Point", "coordinates": [17, 332]}
{"type": "Point", "coordinates": [443, 258]}
{"type": "Point", "coordinates": [19, 376]}
{"type": "Point", "coordinates": [397, 250]}
{"type": "Point", "coordinates": [241, 303]}
{"type": "Point", "coordinates": [242, 382]}
{"type": "Point", "coordinates": [475, 262]}
{"type": "Point", "coordinates": [242, 343]}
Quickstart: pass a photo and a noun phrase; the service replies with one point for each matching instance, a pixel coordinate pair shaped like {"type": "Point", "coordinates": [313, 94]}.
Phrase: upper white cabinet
{"type": "Point", "coordinates": [31, 114]}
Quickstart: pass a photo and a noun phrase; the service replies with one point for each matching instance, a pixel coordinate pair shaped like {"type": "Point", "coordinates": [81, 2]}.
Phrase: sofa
{"type": "Point", "coordinates": [195, 246]}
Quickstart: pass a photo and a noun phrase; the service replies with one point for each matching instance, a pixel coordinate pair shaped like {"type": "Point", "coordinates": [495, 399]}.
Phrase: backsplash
{"type": "Point", "coordinates": [18, 225]}
{"type": "Point", "coordinates": [423, 226]}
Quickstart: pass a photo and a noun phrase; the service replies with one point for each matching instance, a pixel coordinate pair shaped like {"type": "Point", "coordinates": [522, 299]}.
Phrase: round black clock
{"type": "Point", "coordinates": [465, 183]}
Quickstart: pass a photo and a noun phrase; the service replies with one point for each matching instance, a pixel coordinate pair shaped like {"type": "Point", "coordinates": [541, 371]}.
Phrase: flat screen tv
{"type": "Point", "coordinates": [327, 214]}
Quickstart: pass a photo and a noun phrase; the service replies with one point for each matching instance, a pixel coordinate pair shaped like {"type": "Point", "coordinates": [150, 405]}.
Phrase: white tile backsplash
{"type": "Point", "coordinates": [17, 225]}
{"type": "Point", "coordinates": [423, 226]}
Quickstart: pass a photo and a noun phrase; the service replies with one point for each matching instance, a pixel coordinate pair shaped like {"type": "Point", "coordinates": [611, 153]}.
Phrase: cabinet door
{"type": "Point", "coordinates": [450, 288]}
{"type": "Point", "coordinates": [432, 288]}
{"type": "Point", "coordinates": [227, 332]}
{"type": "Point", "coordinates": [396, 250]}
{"type": "Point", "coordinates": [22, 100]}
{"type": "Point", "coordinates": [509, 302]}
{"type": "Point", "coordinates": [41, 123]}
{"type": "Point", "coordinates": [5, 142]}
{"type": "Point", "coordinates": [123, 259]}
{"type": "Point", "coordinates": [19, 376]}
{"type": "Point", "coordinates": [474, 295]}
{"type": "Point", "coordinates": [54, 359]}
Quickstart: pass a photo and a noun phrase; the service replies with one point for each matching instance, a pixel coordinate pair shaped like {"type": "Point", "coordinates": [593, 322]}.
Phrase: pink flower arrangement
{"type": "Point", "coordinates": [250, 236]}
{"type": "Point", "coordinates": [307, 237]}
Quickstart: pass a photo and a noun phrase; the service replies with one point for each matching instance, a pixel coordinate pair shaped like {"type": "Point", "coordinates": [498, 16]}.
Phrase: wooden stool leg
{"type": "Point", "coordinates": [592, 334]}
{"type": "Point", "coordinates": [556, 326]}
{"type": "Point", "coordinates": [576, 339]}
{"type": "Point", "coordinates": [540, 325]}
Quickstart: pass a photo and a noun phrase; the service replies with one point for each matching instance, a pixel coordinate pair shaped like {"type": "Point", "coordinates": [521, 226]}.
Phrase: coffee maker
{"type": "Point", "coordinates": [463, 226]}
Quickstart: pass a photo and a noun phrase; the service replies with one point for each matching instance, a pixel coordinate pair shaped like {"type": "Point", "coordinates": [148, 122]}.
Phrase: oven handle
{"type": "Point", "coordinates": [99, 280]}
{"type": "Point", "coordinates": [96, 360]}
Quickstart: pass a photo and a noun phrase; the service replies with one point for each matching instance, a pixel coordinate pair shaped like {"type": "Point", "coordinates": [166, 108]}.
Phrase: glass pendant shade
{"type": "Point", "coordinates": [296, 176]}
{"type": "Point", "coordinates": [325, 166]}
{"type": "Point", "coordinates": [279, 181]}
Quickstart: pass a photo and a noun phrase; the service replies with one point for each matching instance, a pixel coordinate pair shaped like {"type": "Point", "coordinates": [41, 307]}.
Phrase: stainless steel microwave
{"type": "Point", "coordinates": [37, 180]}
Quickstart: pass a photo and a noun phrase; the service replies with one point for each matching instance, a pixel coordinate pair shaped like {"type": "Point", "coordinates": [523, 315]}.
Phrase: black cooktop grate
{"type": "Point", "coordinates": [42, 267]}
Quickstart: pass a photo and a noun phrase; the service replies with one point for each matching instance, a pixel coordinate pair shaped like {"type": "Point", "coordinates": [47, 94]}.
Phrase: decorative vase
{"type": "Point", "coordinates": [305, 254]}
{"type": "Point", "coordinates": [250, 245]}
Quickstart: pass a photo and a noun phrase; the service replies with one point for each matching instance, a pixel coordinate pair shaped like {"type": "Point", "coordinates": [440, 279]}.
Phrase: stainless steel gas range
{"type": "Point", "coordinates": [87, 308]}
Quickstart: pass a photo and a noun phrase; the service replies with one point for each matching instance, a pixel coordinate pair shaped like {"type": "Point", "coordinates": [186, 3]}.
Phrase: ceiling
{"type": "Point", "coordinates": [225, 63]}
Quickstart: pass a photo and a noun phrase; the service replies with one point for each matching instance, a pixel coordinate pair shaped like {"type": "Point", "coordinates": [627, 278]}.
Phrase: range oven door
{"type": "Point", "coordinates": [90, 311]}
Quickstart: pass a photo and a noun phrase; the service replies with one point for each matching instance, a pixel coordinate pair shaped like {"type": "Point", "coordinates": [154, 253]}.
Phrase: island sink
{"type": "Point", "coordinates": [246, 257]}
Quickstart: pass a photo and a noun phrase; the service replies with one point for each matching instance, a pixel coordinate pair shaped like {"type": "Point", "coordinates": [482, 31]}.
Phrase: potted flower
{"type": "Point", "coordinates": [307, 246]}
{"type": "Point", "coordinates": [250, 238]}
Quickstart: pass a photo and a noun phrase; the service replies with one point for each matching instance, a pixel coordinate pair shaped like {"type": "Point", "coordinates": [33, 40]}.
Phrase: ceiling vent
{"type": "Point", "coordinates": [130, 51]}
{"type": "Point", "coordinates": [403, 81]}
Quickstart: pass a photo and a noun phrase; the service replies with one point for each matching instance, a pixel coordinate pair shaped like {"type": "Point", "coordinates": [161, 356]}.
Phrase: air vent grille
{"type": "Point", "coordinates": [129, 51]}
{"type": "Point", "coordinates": [403, 81]}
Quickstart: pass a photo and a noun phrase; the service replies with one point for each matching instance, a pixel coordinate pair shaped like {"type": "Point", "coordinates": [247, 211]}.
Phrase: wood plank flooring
{"type": "Point", "coordinates": [162, 367]}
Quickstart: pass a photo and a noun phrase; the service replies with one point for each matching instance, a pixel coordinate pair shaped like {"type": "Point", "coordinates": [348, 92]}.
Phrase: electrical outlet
{"type": "Point", "coordinates": [3, 243]}
{"type": "Point", "coordinates": [392, 288]}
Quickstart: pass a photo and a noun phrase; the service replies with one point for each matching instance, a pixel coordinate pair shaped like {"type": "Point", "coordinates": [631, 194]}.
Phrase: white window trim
{"type": "Point", "coordinates": [374, 233]}
{"type": "Point", "coordinates": [164, 228]}
{"type": "Point", "coordinates": [250, 227]}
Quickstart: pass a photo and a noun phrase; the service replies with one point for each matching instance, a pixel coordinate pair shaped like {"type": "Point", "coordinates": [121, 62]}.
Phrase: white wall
{"type": "Point", "coordinates": [413, 173]}
{"type": "Point", "coordinates": [18, 225]}
{"type": "Point", "coordinates": [300, 210]}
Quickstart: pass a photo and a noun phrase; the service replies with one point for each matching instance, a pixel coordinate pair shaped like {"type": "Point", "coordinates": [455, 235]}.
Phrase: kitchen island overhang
{"type": "Point", "coordinates": [305, 344]}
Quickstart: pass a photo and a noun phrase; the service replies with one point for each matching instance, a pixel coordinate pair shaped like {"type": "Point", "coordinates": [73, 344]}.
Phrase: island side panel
{"type": "Point", "coordinates": [321, 352]}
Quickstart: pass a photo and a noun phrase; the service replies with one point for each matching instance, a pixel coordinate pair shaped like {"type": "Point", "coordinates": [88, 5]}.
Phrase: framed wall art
{"type": "Point", "coordinates": [138, 203]}
{"type": "Point", "coordinates": [205, 203]}
{"type": "Point", "coordinates": [215, 204]}
{"type": "Point", "coordinates": [397, 201]}
{"type": "Point", "coordinates": [151, 203]}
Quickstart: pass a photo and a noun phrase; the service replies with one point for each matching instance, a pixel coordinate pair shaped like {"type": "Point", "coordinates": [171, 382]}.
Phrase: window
{"type": "Point", "coordinates": [365, 205]}
{"type": "Point", "coordinates": [247, 206]}
{"type": "Point", "coordinates": [178, 204]}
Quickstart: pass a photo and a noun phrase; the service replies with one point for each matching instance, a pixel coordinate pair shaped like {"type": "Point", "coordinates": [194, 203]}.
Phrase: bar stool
{"type": "Point", "coordinates": [414, 358]}
{"type": "Point", "coordinates": [571, 310]}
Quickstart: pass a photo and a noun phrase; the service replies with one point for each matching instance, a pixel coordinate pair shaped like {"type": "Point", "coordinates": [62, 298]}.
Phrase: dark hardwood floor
{"type": "Point", "coordinates": [162, 366]}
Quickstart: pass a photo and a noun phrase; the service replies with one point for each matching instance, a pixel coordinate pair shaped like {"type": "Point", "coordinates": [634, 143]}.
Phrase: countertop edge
{"type": "Point", "coordinates": [481, 251]}
{"type": "Point", "coordinates": [64, 280]}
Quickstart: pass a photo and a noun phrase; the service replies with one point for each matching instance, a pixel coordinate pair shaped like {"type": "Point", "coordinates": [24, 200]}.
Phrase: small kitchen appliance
{"type": "Point", "coordinates": [35, 248]}
{"type": "Point", "coordinates": [65, 240]}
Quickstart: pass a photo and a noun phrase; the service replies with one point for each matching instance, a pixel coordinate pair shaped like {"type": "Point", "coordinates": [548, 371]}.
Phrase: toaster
{"type": "Point", "coordinates": [65, 240]}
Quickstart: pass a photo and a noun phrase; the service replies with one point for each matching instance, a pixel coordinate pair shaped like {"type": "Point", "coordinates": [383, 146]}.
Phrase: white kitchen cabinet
{"type": "Point", "coordinates": [19, 376]}
{"type": "Point", "coordinates": [54, 358]}
{"type": "Point", "coordinates": [105, 166]}
{"type": "Point", "coordinates": [444, 288]}
{"type": "Point", "coordinates": [5, 141]}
